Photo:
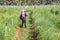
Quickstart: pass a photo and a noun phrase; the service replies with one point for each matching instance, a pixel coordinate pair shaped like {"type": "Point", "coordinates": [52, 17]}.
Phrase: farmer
{"type": "Point", "coordinates": [23, 18]}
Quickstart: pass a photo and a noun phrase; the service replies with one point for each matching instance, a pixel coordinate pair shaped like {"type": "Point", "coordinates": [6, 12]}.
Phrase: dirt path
{"type": "Point", "coordinates": [18, 32]}
{"type": "Point", "coordinates": [33, 33]}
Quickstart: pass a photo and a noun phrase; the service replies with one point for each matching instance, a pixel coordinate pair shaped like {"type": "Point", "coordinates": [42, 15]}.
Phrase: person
{"type": "Point", "coordinates": [23, 18]}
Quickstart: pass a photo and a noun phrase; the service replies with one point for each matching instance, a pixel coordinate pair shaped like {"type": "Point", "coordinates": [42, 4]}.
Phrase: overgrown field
{"type": "Point", "coordinates": [9, 21]}
{"type": "Point", "coordinates": [47, 22]}
{"type": "Point", "coordinates": [45, 18]}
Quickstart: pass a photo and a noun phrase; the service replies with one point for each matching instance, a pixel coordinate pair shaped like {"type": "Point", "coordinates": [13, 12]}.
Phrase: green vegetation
{"type": "Point", "coordinates": [9, 20]}
{"type": "Point", "coordinates": [46, 20]}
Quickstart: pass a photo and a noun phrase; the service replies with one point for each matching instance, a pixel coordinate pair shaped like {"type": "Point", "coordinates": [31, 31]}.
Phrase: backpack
{"type": "Point", "coordinates": [20, 16]}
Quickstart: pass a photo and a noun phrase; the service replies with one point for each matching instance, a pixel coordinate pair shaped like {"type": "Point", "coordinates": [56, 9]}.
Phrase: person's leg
{"type": "Point", "coordinates": [22, 23]}
{"type": "Point", "coordinates": [25, 23]}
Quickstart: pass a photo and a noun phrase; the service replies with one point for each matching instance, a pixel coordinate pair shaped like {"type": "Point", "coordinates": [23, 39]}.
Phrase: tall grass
{"type": "Point", "coordinates": [47, 22]}
{"type": "Point", "coordinates": [9, 19]}
{"type": "Point", "coordinates": [46, 19]}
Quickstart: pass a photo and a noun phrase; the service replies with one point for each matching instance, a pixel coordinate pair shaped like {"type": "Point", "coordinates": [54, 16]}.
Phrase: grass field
{"type": "Point", "coordinates": [45, 18]}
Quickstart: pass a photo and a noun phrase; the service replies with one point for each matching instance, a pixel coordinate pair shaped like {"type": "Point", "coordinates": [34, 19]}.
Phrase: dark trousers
{"type": "Point", "coordinates": [24, 23]}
